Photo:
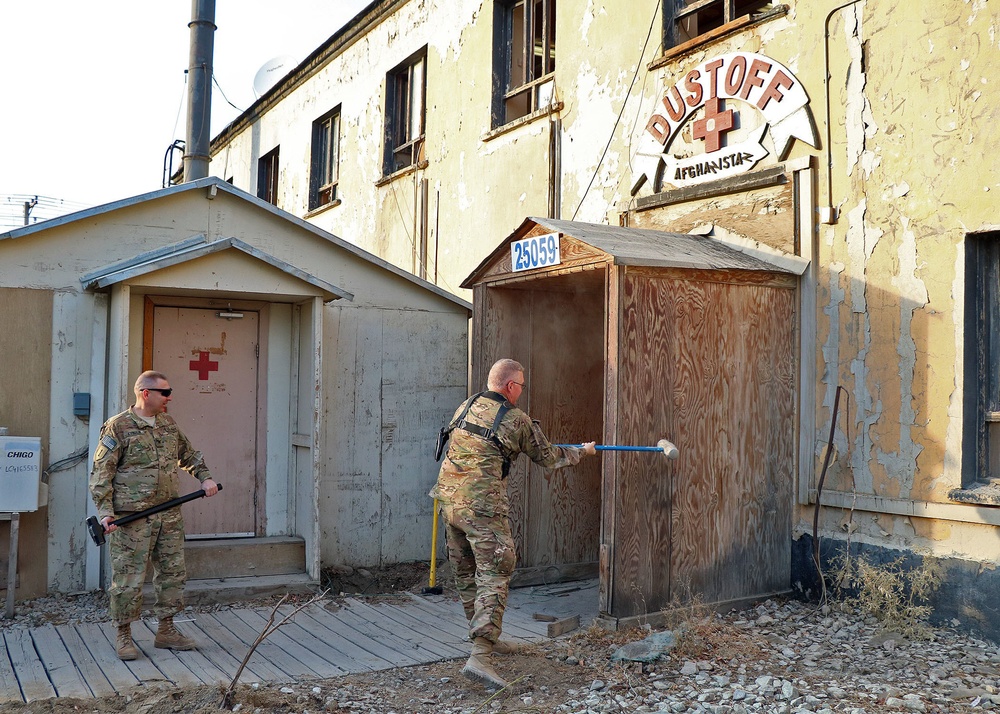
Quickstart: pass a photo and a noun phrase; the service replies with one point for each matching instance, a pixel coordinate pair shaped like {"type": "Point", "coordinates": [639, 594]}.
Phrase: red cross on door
{"type": "Point", "coordinates": [203, 365]}
{"type": "Point", "coordinates": [713, 125]}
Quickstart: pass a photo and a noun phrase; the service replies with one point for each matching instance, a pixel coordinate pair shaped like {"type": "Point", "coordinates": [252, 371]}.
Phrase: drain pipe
{"type": "Point", "coordinates": [199, 105]}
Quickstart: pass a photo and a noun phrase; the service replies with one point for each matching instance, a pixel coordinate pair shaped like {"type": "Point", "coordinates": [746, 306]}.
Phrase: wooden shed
{"type": "Point", "coordinates": [630, 336]}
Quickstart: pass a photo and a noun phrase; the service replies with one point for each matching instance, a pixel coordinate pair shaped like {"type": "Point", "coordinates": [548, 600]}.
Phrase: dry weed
{"type": "Point", "coordinates": [892, 593]}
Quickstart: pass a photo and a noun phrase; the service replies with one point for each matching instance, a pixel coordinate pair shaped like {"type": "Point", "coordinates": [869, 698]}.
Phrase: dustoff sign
{"type": "Point", "coordinates": [723, 87]}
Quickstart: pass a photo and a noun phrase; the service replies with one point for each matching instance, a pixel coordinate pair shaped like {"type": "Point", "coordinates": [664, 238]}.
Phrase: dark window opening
{"type": "Point", "coordinates": [267, 177]}
{"type": "Point", "coordinates": [981, 440]}
{"type": "Point", "coordinates": [324, 173]}
{"type": "Point", "coordinates": [524, 58]}
{"type": "Point", "coordinates": [687, 20]}
{"type": "Point", "coordinates": [404, 130]}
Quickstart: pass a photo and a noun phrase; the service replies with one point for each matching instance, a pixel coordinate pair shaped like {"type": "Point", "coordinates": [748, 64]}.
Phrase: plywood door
{"type": "Point", "coordinates": [211, 364]}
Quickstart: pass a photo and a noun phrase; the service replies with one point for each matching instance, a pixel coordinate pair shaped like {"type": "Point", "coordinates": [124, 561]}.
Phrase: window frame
{"type": "Point", "coordinates": [676, 12]}
{"type": "Point", "coordinates": [534, 88]}
{"type": "Point", "coordinates": [405, 126]}
{"type": "Point", "coordinates": [267, 176]}
{"type": "Point", "coordinates": [324, 169]}
{"type": "Point", "coordinates": [981, 438]}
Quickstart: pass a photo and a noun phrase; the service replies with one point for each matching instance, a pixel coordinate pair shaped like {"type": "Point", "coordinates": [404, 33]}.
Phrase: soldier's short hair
{"type": "Point", "coordinates": [502, 371]}
{"type": "Point", "coordinates": [148, 379]}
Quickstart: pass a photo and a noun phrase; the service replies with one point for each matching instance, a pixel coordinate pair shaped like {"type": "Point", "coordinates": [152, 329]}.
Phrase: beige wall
{"type": "Point", "coordinates": [24, 410]}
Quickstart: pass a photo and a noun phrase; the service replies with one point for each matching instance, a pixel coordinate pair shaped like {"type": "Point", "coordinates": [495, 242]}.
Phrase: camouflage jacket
{"type": "Point", "coordinates": [135, 464]}
{"type": "Point", "coordinates": [470, 474]}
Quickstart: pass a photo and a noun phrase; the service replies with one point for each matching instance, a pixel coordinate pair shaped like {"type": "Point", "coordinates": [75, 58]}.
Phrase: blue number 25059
{"type": "Point", "coordinates": [535, 252]}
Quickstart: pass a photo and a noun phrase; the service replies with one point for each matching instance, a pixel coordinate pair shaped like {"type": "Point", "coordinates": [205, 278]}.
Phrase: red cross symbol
{"type": "Point", "coordinates": [203, 365]}
{"type": "Point", "coordinates": [713, 125]}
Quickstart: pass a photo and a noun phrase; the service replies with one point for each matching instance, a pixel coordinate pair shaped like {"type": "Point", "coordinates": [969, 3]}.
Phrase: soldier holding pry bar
{"type": "Point", "coordinates": [135, 468]}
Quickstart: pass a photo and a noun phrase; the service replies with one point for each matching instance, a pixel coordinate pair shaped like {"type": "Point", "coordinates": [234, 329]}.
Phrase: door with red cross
{"type": "Point", "coordinates": [211, 364]}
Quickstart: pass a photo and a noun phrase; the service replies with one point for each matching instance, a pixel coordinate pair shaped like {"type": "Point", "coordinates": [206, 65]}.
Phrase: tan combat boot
{"type": "Point", "coordinates": [126, 647]}
{"type": "Point", "coordinates": [507, 647]}
{"type": "Point", "coordinates": [168, 638]}
{"type": "Point", "coordinates": [478, 667]}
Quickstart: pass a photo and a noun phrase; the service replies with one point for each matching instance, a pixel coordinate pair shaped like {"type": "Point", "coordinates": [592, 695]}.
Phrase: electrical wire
{"type": "Point", "coordinates": [216, 82]}
{"type": "Point", "coordinates": [652, 24]}
{"type": "Point", "coordinates": [413, 244]}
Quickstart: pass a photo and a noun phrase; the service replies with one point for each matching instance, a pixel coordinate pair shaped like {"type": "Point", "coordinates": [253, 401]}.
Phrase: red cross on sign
{"type": "Point", "coordinates": [713, 125]}
{"type": "Point", "coordinates": [203, 365]}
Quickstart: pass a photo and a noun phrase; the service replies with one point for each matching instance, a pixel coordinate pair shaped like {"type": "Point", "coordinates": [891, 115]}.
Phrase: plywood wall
{"type": "Point", "coordinates": [555, 328]}
{"type": "Point", "coordinates": [708, 363]}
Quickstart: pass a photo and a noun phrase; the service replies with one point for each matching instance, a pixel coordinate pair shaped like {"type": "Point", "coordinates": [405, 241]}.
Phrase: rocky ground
{"type": "Point", "coordinates": [780, 656]}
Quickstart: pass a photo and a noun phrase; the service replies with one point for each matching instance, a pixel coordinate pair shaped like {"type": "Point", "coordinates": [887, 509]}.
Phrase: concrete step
{"type": "Point", "coordinates": [226, 590]}
{"type": "Point", "coordinates": [224, 558]}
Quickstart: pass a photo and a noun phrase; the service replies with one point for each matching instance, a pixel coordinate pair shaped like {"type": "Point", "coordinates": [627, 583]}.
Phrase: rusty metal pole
{"type": "Point", "coordinates": [199, 106]}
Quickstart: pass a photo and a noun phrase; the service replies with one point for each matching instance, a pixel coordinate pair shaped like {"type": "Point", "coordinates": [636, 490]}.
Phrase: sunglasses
{"type": "Point", "coordinates": [165, 392]}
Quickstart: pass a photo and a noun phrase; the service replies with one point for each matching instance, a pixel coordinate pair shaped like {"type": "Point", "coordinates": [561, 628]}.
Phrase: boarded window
{"type": "Point", "coordinates": [324, 170]}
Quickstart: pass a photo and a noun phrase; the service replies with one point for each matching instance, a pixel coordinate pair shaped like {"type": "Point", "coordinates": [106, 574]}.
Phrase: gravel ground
{"type": "Point", "coordinates": [779, 657]}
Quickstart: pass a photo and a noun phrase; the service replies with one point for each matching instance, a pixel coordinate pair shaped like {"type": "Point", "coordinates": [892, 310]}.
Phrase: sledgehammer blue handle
{"type": "Point", "coordinates": [616, 448]}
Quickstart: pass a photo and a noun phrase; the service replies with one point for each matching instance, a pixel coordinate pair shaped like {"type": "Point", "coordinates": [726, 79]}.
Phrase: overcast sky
{"type": "Point", "coordinates": [93, 92]}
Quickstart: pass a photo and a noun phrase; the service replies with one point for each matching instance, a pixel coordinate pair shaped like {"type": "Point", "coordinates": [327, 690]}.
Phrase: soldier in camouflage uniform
{"type": "Point", "coordinates": [135, 467]}
{"type": "Point", "coordinates": [474, 504]}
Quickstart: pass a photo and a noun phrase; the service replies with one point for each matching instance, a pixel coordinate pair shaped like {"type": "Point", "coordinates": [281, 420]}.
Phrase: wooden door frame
{"type": "Point", "coordinates": [150, 302]}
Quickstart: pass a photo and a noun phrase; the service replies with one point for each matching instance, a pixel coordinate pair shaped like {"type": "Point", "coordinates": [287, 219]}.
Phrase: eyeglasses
{"type": "Point", "coordinates": [165, 392]}
{"type": "Point", "coordinates": [522, 385]}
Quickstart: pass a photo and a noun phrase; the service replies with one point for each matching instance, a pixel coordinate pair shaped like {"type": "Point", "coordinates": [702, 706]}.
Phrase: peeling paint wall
{"type": "Point", "coordinates": [905, 160]}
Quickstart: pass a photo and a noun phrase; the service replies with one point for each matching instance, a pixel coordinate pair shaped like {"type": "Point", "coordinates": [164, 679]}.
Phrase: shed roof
{"type": "Point", "coordinates": [642, 247]}
{"type": "Point", "coordinates": [216, 184]}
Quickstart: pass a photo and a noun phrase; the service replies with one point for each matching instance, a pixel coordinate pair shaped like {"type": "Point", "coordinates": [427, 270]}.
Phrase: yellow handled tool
{"type": "Point", "coordinates": [432, 588]}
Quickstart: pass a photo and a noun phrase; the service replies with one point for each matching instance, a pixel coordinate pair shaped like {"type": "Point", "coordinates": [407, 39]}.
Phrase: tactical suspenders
{"type": "Point", "coordinates": [489, 434]}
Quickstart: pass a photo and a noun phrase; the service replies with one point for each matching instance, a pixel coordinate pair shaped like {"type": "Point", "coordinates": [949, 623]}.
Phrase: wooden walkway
{"type": "Point", "coordinates": [342, 636]}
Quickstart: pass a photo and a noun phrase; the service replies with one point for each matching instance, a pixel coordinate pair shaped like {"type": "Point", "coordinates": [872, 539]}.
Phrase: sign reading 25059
{"type": "Point", "coordinates": [535, 252]}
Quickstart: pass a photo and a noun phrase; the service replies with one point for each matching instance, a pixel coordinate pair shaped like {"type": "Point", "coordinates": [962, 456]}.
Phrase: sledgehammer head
{"type": "Point", "coordinates": [669, 450]}
{"type": "Point", "coordinates": [96, 530]}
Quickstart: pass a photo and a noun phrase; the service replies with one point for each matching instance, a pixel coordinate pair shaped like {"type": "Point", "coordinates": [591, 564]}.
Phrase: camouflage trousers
{"type": "Point", "coordinates": [481, 551]}
{"type": "Point", "coordinates": [157, 542]}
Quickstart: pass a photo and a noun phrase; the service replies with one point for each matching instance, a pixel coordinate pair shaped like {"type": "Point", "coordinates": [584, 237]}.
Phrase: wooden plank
{"type": "Point", "coordinates": [119, 676]}
{"type": "Point", "coordinates": [275, 654]}
{"type": "Point", "coordinates": [293, 645]}
{"type": "Point", "coordinates": [224, 649]}
{"type": "Point", "coordinates": [167, 661]}
{"type": "Point", "coordinates": [143, 669]}
{"type": "Point", "coordinates": [62, 671]}
{"type": "Point", "coordinates": [406, 652]}
{"type": "Point", "coordinates": [10, 690]}
{"type": "Point", "coordinates": [303, 630]}
{"type": "Point", "coordinates": [411, 632]}
{"type": "Point", "coordinates": [376, 655]}
{"type": "Point", "coordinates": [88, 667]}
{"type": "Point", "coordinates": [30, 671]}
{"type": "Point", "coordinates": [310, 624]}
{"type": "Point", "coordinates": [561, 627]}
{"type": "Point", "coordinates": [513, 627]}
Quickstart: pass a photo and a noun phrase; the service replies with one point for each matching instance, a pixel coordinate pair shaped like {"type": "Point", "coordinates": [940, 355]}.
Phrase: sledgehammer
{"type": "Point", "coordinates": [97, 530]}
{"type": "Point", "coordinates": [663, 446]}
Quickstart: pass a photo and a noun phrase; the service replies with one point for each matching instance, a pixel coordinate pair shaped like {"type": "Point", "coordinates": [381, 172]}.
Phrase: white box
{"type": "Point", "coordinates": [20, 473]}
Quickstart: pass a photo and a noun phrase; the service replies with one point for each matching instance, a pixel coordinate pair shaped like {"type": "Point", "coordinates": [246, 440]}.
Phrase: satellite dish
{"type": "Point", "coordinates": [271, 71]}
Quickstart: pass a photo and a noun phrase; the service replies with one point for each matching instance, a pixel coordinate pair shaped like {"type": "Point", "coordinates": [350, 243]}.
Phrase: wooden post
{"type": "Point", "coordinates": [15, 522]}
